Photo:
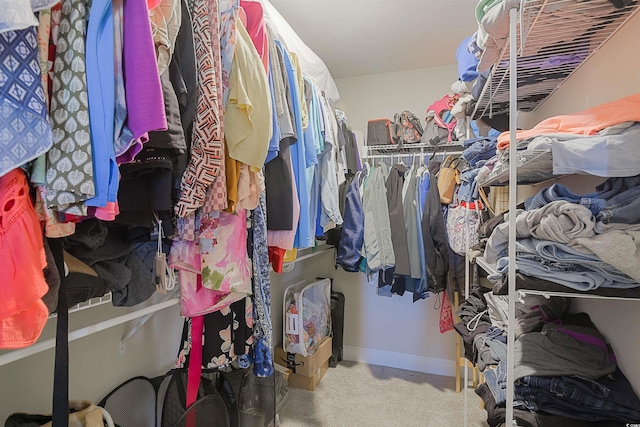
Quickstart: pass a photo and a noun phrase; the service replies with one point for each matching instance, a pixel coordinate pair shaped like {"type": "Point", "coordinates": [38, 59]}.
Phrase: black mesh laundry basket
{"type": "Point", "coordinates": [209, 411]}
{"type": "Point", "coordinates": [256, 403]}
{"type": "Point", "coordinates": [132, 403]}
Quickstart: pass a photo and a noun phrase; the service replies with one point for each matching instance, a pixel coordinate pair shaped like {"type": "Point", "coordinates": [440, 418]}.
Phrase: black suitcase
{"type": "Point", "coordinates": [337, 322]}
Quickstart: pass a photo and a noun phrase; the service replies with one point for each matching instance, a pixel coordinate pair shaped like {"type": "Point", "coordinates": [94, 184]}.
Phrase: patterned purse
{"type": "Point", "coordinates": [463, 222]}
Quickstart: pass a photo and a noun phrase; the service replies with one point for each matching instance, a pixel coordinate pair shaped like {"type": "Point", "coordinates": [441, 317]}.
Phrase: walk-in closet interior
{"type": "Point", "coordinates": [323, 213]}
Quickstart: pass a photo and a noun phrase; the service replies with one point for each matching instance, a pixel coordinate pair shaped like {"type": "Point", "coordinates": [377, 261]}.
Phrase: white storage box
{"type": "Point", "coordinates": [307, 316]}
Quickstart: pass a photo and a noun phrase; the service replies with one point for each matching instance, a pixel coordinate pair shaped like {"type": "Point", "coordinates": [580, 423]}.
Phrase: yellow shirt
{"type": "Point", "coordinates": [303, 101]}
{"type": "Point", "coordinates": [248, 124]}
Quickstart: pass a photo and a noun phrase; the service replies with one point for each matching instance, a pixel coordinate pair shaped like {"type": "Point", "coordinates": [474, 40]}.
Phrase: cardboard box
{"type": "Point", "coordinates": [307, 366]}
{"type": "Point", "coordinates": [309, 383]}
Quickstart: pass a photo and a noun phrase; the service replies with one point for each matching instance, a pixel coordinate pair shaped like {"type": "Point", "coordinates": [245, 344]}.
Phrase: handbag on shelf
{"type": "Point", "coordinates": [381, 132]}
{"type": "Point", "coordinates": [463, 222]}
{"type": "Point", "coordinates": [408, 129]}
{"type": "Point", "coordinates": [448, 178]}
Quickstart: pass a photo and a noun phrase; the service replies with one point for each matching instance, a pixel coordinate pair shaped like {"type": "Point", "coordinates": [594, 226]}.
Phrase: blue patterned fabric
{"type": "Point", "coordinates": [25, 132]}
{"type": "Point", "coordinates": [262, 328]}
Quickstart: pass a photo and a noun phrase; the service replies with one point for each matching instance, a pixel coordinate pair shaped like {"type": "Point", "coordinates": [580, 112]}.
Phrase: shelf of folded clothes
{"type": "Point", "coordinates": [534, 166]}
{"type": "Point", "coordinates": [559, 36]}
{"type": "Point", "coordinates": [529, 285]}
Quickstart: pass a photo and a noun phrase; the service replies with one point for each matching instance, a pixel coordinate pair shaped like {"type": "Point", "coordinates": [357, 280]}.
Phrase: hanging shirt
{"type": "Point", "coordinates": [25, 132]}
{"type": "Point", "coordinates": [330, 215]}
{"type": "Point", "coordinates": [298, 159]}
{"type": "Point", "coordinates": [228, 40]}
{"type": "Point", "coordinates": [145, 104]}
{"type": "Point", "coordinates": [206, 145]}
{"type": "Point", "coordinates": [70, 168]}
{"type": "Point", "coordinates": [248, 113]}
{"type": "Point", "coordinates": [165, 24]}
{"type": "Point", "coordinates": [101, 89]}
{"type": "Point", "coordinates": [394, 185]}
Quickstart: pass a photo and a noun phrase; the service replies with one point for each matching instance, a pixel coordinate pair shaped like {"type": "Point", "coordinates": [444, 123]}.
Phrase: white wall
{"type": "Point", "coordinates": [380, 330]}
{"type": "Point", "coordinates": [610, 74]}
{"type": "Point", "coordinates": [382, 95]}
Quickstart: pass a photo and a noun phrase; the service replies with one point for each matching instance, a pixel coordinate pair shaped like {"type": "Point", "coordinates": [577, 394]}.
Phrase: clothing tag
{"type": "Point", "coordinates": [155, 233]}
{"type": "Point", "coordinates": [160, 277]}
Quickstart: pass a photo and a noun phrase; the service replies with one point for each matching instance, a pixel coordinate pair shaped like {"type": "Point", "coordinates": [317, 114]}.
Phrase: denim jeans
{"type": "Point", "coordinates": [496, 379]}
{"type": "Point", "coordinates": [574, 276]}
{"type": "Point", "coordinates": [468, 191]}
{"type": "Point", "coordinates": [581, 398]}
{"type": "Point", "coordinates": [617, 200]}
{"type": "Point", "coordinates": [561, 254]}
{"type": "Point", "coordinates": [478, 149]}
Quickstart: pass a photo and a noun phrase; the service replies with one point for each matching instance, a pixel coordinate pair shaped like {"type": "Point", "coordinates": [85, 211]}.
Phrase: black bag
{"type": "Point", "coordinates": [337, 323]}
{"type": "Point", "coordinates": [380, 132]}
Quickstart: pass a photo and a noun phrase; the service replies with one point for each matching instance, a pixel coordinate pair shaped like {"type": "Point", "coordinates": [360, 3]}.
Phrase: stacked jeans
{"type": "Point", "coordinates": [617, 200]}
{"type": "Point", "coordinates": [610, 398]}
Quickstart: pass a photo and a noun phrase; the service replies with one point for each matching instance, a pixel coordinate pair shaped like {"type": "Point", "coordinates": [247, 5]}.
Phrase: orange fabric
{"type": "Point", "coordinates": [22, 259]}
{"type": "Point", "coordinates": [232, 170]}
{"type": "Point", "coordinates": [586, 122]}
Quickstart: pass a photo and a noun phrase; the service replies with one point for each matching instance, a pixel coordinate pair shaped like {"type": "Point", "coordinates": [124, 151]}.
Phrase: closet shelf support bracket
{"type": "Point", "coordinates": [122, 347]}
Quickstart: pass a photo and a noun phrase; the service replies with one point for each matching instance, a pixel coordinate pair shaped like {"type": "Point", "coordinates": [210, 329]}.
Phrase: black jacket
{"type": "Point", "coordinates": [434, 234]}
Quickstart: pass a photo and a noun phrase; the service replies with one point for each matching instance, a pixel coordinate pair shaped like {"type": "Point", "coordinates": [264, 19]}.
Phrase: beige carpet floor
{"type": "Point", "coordinates": [361, 395]}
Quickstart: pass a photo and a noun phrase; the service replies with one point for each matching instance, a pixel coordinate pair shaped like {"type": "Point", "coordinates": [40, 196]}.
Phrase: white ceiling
{"type": "Point", "coordinates": [359, 37]}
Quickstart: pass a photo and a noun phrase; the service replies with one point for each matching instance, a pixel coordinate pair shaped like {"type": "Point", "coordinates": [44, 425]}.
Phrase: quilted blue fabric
{"type": "Point", "coordinates": [25, 132]}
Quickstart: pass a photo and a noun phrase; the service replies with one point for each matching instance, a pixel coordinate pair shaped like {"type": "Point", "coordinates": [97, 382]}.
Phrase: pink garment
{"type": "Point", "coordinates": [22, 259]}
{"type": "Point", "coordinates": [196, 300]}
{"type": "Point", "coordinates": [255, 26]}
{"type": "Point", "coordinates": [109, 212]}
{"type": "Point", "coordinates": [226, 266]}
{"type": "Point", "coordinates": [145, 103]}
{"type": "Point", "coordinates": [585, 122]}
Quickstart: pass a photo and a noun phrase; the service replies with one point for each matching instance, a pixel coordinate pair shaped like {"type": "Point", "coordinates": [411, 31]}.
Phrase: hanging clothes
{"type": "Point", "coordinates": [227, 337]}
{"type": "Point", "coordinates": [100, 74]}
{"type": "Point", "coordinates": [23, 314]}
{"type": "Point", "coordinates": [394, 185]}
{"type": "Point", "coordinates": [378, 247]}
{"type": "Point", "coordinates": [206, 146]}
{"type": "Point", "coordinates": [24, 125]}
{"type": "Point", "coordinates": [143, 91]}
{"type": "Point", "coordinates": [436, 245]}
{"type": "Point", "coordinates": [411, 222]}
{"type": "Point", "coordinates": [262, 328]}
{"type": "Point", "coordinates": [248, 112]}
{"type": "Point", "coordinates": [352, 235]}
{"type": "Point", "coordinates": [303, 238]}
{"type": "Point", "coordinates": [70, 170]}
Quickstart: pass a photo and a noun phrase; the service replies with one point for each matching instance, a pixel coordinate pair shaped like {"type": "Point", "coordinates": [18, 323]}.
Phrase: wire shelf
{"type": "Point", "coordinates": [380, 151]}
{"type": "Point", "coordinates": [548, 294]}
{"type": "Point", "coordinates": [559, 36]}
{"type": "Point", "coordinates": [93, 302]}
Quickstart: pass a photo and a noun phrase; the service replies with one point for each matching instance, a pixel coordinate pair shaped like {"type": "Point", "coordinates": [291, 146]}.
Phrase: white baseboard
{"type": "Point", "coordinates": [392, 359]}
